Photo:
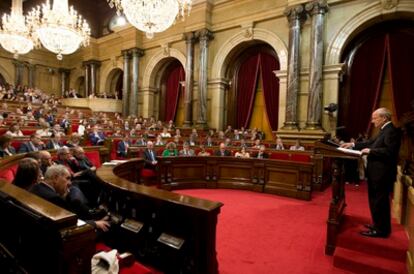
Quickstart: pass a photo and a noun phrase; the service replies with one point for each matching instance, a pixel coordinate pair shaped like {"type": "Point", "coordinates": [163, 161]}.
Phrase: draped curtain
{"type": "Point", "coordinates": [395, 50]}
{"type": "Point", "coordinates": [247, 77]}
{"type": "Point", "coordinates": [268, 64]}
{"type": "Point", "coordinates": [401, 67]}
{"type": "Point", "coordinates": [175, 76]}
{"type": "Point", "coordinates": [367, 71]}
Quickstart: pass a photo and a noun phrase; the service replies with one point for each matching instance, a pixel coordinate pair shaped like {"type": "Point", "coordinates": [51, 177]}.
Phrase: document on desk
{"type": "Point", "coordinates": [351, 151]}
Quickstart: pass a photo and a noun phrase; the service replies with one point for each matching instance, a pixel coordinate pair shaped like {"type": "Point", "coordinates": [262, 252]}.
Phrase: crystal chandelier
{"type": "Point", "coordinates": [152, 16]}
{"type": "Point", "coordinates": [15, 36]}
{"type": "Point", "coordinates": [60, 29]}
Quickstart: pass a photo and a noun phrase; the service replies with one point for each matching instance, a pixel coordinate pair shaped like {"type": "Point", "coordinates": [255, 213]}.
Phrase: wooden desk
{"type": "Point", "coordinates": [161, 212]}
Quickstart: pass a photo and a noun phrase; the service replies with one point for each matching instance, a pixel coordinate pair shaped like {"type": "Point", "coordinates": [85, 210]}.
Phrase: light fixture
{"type": "Point", "coordinates": [60, 29]}
{"type": "Point", "coordinates": [15, 36]}
{"type": "Point", "coordinates": [152, 16]}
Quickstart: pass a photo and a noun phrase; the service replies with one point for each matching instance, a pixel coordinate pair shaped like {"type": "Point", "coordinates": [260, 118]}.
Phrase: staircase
{"type": "Point", "coordinates": [359, 254]}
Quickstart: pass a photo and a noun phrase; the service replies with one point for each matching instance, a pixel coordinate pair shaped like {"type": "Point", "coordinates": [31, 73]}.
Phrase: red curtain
{"type": "Point", "coordinates": [268, 64]}
{"type": "Point", "coordinates": [401, 67]}
{"type": "Point", "coordinates": [175, 76]}
{"type": "Point", "coordinates": [367, 71]}
{"type": "Point", "coordinates": [246, 87]}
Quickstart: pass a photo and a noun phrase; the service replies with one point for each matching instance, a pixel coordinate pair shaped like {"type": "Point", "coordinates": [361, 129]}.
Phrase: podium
{"type": "Point", "coordinates": [338, 203]}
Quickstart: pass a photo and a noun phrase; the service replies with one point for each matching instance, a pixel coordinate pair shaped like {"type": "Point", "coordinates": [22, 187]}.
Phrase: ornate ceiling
{"type": "Point", "coordinates": [96, 12]}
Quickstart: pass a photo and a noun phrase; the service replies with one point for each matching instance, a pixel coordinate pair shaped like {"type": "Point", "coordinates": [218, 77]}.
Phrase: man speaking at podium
{"type": "Point", "coordinates": [382, 154]}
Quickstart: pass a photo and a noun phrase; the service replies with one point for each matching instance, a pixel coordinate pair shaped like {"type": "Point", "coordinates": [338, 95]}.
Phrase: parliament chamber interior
{"type": "Point", "coordinates": [203, 136]}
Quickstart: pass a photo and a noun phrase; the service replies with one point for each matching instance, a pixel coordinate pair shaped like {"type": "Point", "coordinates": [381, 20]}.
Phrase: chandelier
{"type": "Point", "coordinates": [16, 36]}
{"type": "Point", "coordinates": [152, 16]}
{"type": "Point", "coordinates": [60, 29]}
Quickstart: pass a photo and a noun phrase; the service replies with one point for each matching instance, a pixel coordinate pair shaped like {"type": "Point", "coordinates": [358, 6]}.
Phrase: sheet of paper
{"type": "Point", "coordinates": [351, 151]}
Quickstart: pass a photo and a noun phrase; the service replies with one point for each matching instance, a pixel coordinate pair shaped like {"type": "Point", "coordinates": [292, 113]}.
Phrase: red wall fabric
{"type": "Point", "coordinates": [268, 64]}
{"type": "Point", "coordinates": [175, 76]}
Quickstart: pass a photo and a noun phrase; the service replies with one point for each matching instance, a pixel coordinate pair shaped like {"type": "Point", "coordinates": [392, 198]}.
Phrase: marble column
{"type": "Point", "coordinates": [19, 70]}
{"type": "Point", "coordinates": [296, 16]}
{"type": "Point", "coordinates": [86, 72]}
{"type": "Point", "coordinates": [317, 10]}
{"type": "Point", "coordinates": [64, 78]}
{"type": "Point", "coordinates": [32, 78]}
{"type": "Point", "coordinates": [126, 83]}
{"type": "Point", "coordinates": [189, 79]}
{"type": "Point", "coordinates": [94, 65]}
{"type": "Point", "coordinates": [204, 36]}
{"type": "Point", "coordinates": [133, 98]}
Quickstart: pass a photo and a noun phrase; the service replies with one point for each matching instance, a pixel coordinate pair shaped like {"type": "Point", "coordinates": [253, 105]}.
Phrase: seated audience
{"type": "Point", "coordinates": [97, 137]}
{"type": "Point", "coordinates": [222, 151]}
{"type": "Point", "coordinates": [123, 146]}
{"type": "Point", "coordinates": [27, 173]}
{"type": "Point", "coordinates": [297, 146]}
{"type": "Point", "coordinates": [165, 133]}
{"type": "Point", "coordinates": [150, 156]}
{"type": "Point", "coordinates": [54, 142]}
{"type": "Point", "coordinates": [243, 143]}
{"type": "Point", "coordinates": [209, 142]}
{"type": "Point", "coordinates": [34, 144]}
{"type": "Point", "coordinates": [74, 140]}
{"type": "Point", "coordinates": [140, 142]}
{"type": "Point", "coordinates": [262, 154]}
{"type": "Point", "coordinates": [257, 144]}
{"type": "Point", "coordinates": [242, 153]}
{"type": "Point", "coordinates": [203, 151]}
{"type": "Point", "coordinates": [5, 146]}
{"type": "Point", "coordinates": [237, 135]}
{"type": "Point", "coordinates": [186, 151]}
{"type": "Point", "coordinates": [14, 131]}
{"type": "Point", "coordinates": [227, 142]}
{"type": "Point", "coordinates": [279, 144]}
{"type": "Point", "coordinates": [159, 141]}
{"type": "Point", "coordinates": [55, 188]}
{"type": "Point", "coordinates": [170, 150]}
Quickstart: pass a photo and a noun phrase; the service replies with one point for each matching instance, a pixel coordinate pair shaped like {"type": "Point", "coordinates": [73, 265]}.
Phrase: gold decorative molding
{"type": "Point", "coordinates": [389, 4]}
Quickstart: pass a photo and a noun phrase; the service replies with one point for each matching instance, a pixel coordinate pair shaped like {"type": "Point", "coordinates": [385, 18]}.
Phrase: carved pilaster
{"type": "Point", "coordinates": [133, 102]}
{"type": "Point", "coordinates": [126, 83]}
{"type": "Point", "coordinates": [296, 16]}
{"type": "Point", "coordinates": [204, 36]}
{"type": "Point", "coordinates": [189, 79]}
{"type": "Point", "coordinates": [317, 10]}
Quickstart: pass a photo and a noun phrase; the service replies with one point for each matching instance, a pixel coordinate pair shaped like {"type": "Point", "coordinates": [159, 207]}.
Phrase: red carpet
{"type": "Point", "coordinates": [260, 233]}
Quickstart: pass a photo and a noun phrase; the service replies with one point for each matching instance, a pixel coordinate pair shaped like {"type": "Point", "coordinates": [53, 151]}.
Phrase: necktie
{"type": "Point", "coordinates": [152, 155]}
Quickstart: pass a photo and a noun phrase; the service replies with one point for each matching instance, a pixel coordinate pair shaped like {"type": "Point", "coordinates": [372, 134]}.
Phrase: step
{"type": "Point", "coordinates": [394, 248]}
{"type": "Point", "coordinates": [358, 262]}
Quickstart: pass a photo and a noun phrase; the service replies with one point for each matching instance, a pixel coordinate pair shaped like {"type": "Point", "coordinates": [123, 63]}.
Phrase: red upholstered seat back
{"type": "Point", "coordinates": [94, 157]}
{"type": "Point", "coordinates": [8, 173]}
{"type": "Point", "coordinates": [279, 156]}
{"type": "Point", "coordinates": [301, 158]}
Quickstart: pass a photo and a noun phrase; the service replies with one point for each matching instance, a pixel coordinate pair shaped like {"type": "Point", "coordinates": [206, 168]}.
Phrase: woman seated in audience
{"type": "Point", "coordinates": [14, 131]}
{"type": "Point", "coordinates": [45, 131]}
{"type": "Point", "coordinates": [203, 151]}
{"type": "Point", "coordinates": [171, 125]}
{"type": "Point", "coordinates": [5, 148]}
{"type": "Point", "coordinates": [117, 133]}
{"type": "Point", "coordinates": [279, 144]}
{"type": "Point", "coordinates": [221, 135]}
{"type": "Point", "coordinates": [159, 141]}
{"type": "Point", "coordinates": [297, 146]}
{"type": "Point", "coordinates": [257, 144]}
{"type": "Point", "coordinates": [178, 133]}
{"type": "Point", "coordinates": [140, 141]}
{"type": "Point", "coordinates": [242, 153]}
{"type": "Point", "coordinates": [27, 173]}
{"type": "Point", "coordinates": [170, 150]}
{"type": "Point", "coordinates": [74, 140]}
{"type": "Point", "coordinates": [165, 133]}
{"type": "Point", "coordinates": [133, 133]}
{"type": "Point", "coordinates": [192, 140]}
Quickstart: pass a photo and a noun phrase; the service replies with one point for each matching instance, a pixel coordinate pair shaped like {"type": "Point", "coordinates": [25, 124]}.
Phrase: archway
{"type": "Point", "coordinates": [253, 97]}
{"type": "Point", "coordinates": [379, 73]}
{"type": "Point", "coordinates": [2, 80]}
{"type": "Point", "coordinates": [80, 86]}
{"type": "Point", "coordinates": [114, 83]}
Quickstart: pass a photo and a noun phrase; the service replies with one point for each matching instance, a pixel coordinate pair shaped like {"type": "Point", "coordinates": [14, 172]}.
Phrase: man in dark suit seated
{"type": "Point", "coordinates": [382, 155]}
{"type": "Point", "coordinates": [34, 144]}
{"type": "Point", "coordinates": [262, 154]}
{"type": "Point", "coordinates": [54, 142]}
{"type": "Point", "coordinates": [55, 189]}
{"type": "Point", "coordinates": [5, 148]}
{"type": "Point", "coordinates": [150, 157]}
{"type": "Point", "coordinates": [123, 146]}
{"type": "Point", "coordinates": [97, 137]}
{"type": "Point", "coordinates": [222, 151]}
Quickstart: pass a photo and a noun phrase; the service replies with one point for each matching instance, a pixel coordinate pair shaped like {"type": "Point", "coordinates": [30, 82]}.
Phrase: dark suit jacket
{"type": "Point", "coordinates": [26, 147]}
{"type": "Point", "coordinates": [121, 149]}
{"type": "Point", "coordinates": [95, 140]}
{"type": "Point", "coordinates": [226, 153]}
{"type": "Point", "coordinates": [49, 145]}
{"type": "Point", "coordinates": [147, 158]}
{"type": "Point", "coordinates": [49, 194]}
{"type": "Point", "coordinates": [265, 155]}
{"type": "Point", "coordinates": [383, 157]}
{"type": "Point", "coordinates": [3, 153]}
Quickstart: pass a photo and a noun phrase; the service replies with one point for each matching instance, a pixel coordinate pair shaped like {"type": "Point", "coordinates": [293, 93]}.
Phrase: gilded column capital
{"type": "Point", "coordinates": [295, 13]}
{"type": "Point", "coordinates": [204, 35]}
{"type": "Point", "coordinates": [126, 54]}
{"type": "Point", "coordinates": [96, 63]}
{"type": "Point", "coordinates": [317, 7]}
{"type": "Point", "coordinates": [189, 37]}
{"type": "Point", "coordinates": [137, 52]}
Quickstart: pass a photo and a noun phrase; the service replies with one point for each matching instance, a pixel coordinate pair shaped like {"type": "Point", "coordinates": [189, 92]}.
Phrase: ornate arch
{"type": "Point", "coordinates": [105, 73]}
{"type": "Point", "coordinates": [110, 77]}
{"type": "Point", "coordinates": [367, 17]}
{"type": "Point", "coordinates": [219, 64]}
{"type": "Point", "coordinates": [6, 75]}
{"type": "Point", "coordinates": [154, 63]}
{"type": "Point", "coordinates": [74, 76]}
